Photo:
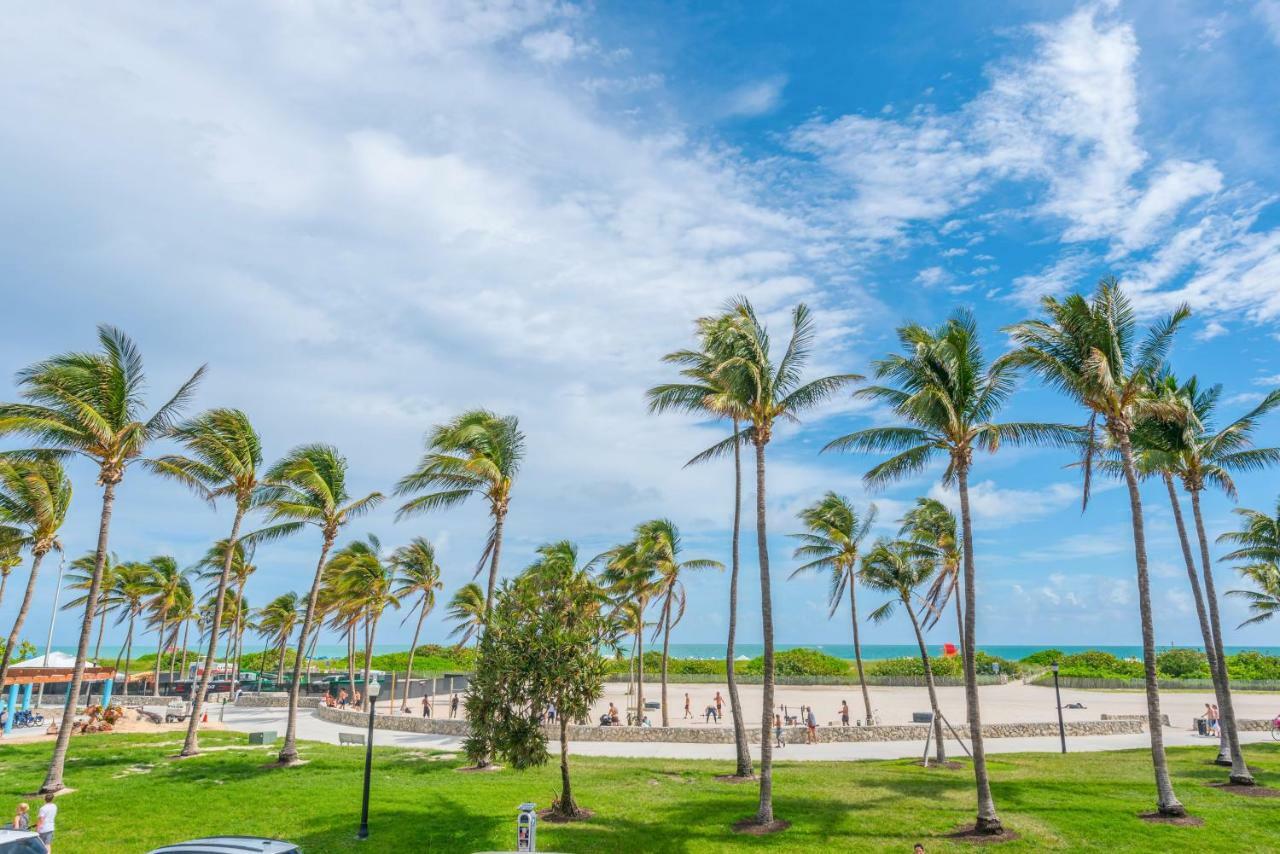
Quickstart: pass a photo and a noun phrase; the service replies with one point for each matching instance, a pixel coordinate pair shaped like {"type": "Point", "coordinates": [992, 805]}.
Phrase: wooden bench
{"type": "Point", "coordinates": [351, 738]}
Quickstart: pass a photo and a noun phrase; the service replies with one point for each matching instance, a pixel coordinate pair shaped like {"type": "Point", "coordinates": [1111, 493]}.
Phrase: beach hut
{"type": "Point", "coordinates": [56, 668]}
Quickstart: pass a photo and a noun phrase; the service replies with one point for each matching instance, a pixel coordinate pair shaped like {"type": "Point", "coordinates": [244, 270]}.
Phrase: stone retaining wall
{"type": "Point", "coordinates": [1253, 724]}
{"type": "Point", "coordinates": [724, 735]}
{"type": "Point", "coordinates": [275, 701]}
{"type": "Point", "coordinates": [1143, 718]}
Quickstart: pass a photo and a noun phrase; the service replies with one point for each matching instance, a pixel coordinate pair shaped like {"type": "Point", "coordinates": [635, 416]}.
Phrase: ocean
{"type": "Point", "coordinates": [870, 652]}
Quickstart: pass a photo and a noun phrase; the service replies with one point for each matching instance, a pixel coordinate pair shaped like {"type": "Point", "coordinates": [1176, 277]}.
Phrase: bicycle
{"type": "Point", "coordinates": [1275, 729]}
{"type": "Point", "coordinates": [27, 718]}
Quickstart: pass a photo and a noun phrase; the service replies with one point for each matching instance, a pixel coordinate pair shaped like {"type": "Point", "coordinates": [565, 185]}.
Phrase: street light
{"type": "Point", "coordinates": [1062, 729]}
{"type": "Point", "coordinates": [371, 691]}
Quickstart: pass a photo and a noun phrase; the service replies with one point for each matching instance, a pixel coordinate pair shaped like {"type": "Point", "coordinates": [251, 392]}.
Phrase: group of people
{"type": "Point", "coordinates": [713, 712]}
{"type": "Point", "coordinates": [1211, 719]}
{"type": "Point", "coordinates": [426, 706]}
{"type": "Point", "coordinates": [45, 820]}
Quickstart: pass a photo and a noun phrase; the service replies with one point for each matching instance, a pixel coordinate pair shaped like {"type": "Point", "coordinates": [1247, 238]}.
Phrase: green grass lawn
{"type": "Point", "coordinates": [130, 797]}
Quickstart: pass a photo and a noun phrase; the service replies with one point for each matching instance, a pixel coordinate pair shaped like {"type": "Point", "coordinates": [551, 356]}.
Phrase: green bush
{"type": "Point", "coordinates": [986, 665]}
{"type": "Point", "coordinates": [801, 662]}
{"type": "Point", "coordinates": [1095, 664]}
{"type": "Point", "coordinates": [1182, 664]}
{"type": "Point", "coordinates": [1253, 665]}
{"type": "Point", "coordinates": [1044, 657]}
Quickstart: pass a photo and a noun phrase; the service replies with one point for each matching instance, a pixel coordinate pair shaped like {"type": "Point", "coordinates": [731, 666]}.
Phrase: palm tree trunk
{"type": "Point", "coordinates": [102, 624]}
{"type": "Point", "coordinates": [1224, 749]}
{"type": "Point", "coordinates": [1226, 707]}
{"type": "Point", "coordinates": [499, 519]}
{"type": "Point", "coordinates": [164, 624]}
{"type": "Point", "coordinates": [640, 665]}
{"type": "Point", "coordinates": [284, 648]}
{"type": "Point", "coordinates": [764, 814]}
{"type": "Point", "coordinates": [186, 628]}
{"type": "Point", "coordinates": [239, 629]}
{"type": "Point", "coordinates": [857, 647]}
{"type": "Point", "coordinates": [128, 653]}
{"type": "Point", "coordinates": [191, 746]}
{"type": "Point", "coordinates": [940, 750]}
{"type": "Point", "coordinates": [413, 647]}
{"type": "Point", "coordinates": [23, 609]}
{"type": "Point", "coordinates": [735, 705]}
{"type": "Point", "coordinates": [567, 807]}
{"type": "Point", "coordinates": [351, 659]}
{"type": "Point", "coordinates": [1166, 801]}
{"type": "Point", "coordinates": [960, 641]}
{"type": "Point", "coordinates": [666, 644]}
{"type": "Point", "coordinates": [371, 630]}
{"type": "Point", "coordinates": [289, 752]}
{"type": "Point", "coordinates": [53, 778]}
{"type": "Point", "coordinates": [988, 820]}
{"type": "Point", "coordinates": [4, 582]}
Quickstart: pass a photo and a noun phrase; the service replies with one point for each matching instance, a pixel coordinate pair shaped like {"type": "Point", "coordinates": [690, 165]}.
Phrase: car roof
{"type": "Point", "coordinates": [229, 845]}
{"type": "Point", "coordinates": [9, 834]}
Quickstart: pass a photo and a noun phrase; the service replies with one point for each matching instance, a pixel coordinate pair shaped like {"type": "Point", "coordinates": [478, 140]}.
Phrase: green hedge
{"type": "Point", "coordinates": [943, 667]}
{"type": "Point", "coordinates": [1172, 665]}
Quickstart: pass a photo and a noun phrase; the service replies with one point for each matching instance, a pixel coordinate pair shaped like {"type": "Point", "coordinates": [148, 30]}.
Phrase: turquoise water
{"type": "Point", "coordinates": [870, 652]}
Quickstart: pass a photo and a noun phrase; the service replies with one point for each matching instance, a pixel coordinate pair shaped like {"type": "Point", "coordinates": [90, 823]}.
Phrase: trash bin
{"type": "Point", "coordinates": [1202, 726]}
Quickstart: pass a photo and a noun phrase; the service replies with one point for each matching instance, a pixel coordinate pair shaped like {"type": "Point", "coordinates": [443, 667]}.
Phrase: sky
{"type": "Point", "coordinates": [368, 217]}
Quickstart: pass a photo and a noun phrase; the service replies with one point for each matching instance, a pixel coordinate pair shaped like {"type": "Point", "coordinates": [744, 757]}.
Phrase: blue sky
{"type": "Point", "coordinates": [368, 217]}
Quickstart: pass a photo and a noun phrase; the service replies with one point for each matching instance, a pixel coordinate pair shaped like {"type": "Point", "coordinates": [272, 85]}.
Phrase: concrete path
{"type": "Point", "coordinates": [311, 727]}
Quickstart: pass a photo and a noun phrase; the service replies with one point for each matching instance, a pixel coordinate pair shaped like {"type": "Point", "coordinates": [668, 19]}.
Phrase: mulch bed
{"type": "Point", "coordinates": [559, 818]}
{"type": "Point", "coordinates": [1247, 791]}
{"type": "Point", "coordinates": [1175, 820]}
{"type": "Point", "coordinates": [970, 833]}
{"type": "Point", "coordinates": [750, 827]}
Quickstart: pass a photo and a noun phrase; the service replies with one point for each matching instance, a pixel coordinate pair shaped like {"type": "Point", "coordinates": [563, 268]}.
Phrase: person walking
{"type": "Point", "coordinates": [688, 712]}
{"type": "Point", "coordinates": [1213, 720]}
{"type": "Point", "coordinates": [812, 721]}
{"type": "Point", "coordinates": [844, 712]}
{"type": "Point", "coordinates": [710, 713]}
{"type": "Point", "coordinates": [45, 821]}
{"type": "Point", "coordinates": [777, 731]}
{"type": "Point", "coordinates": [426, 706]}
{"type": "Point", "coordinates": [719, 707]}
{"type": "Point", "coordinates": [453, 706]}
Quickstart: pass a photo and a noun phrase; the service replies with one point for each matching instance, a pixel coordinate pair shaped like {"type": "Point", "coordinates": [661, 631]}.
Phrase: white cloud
{"type": "Point", "coordinates": [551, 46]}
{"type": "Point", "coordinates": [1272, 379]}
{"type": "Point", "coordinates": [1269, 12]}
{"type": "Point", "coordinates": [755, 99]}
{"type": "Point", "coordinates": [1212, 329]}
{"type": "Point", "coordinates": [1064, 274]}
{"type": "Point", "coordinates": [997, 506]}
{"type": "Point", "coordinates": [931, 277]}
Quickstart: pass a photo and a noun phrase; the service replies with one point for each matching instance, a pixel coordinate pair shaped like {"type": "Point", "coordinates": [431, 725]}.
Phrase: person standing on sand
{"type": "Point", "coordinates": [812, 721]}
{"type": "Point", "coordinates": [45, 822]}
{"type": "Point", "coordinates": [426, 706]}
{"type": "Point", "coordinates": [453, 706]}
{"type": "Point", "coordinates": [844, 712]}
{"type": "Point", "coordinates": [777, 731]}
{"type": "Point", "coordinates": [688, 712]}
{"type": "Point", "coordinates": [719, 707]}
{"type": "Point", "coordinates": [1213, 720]}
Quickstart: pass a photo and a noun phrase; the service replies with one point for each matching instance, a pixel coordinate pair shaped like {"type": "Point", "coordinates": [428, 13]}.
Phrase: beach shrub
{"type": "Point", "coordinates": [1182, 663]}
{"type": "Point", "coordinates": [1095, 664]}
{"type": "Point", "coordinates": [801, 662]}
{"type": "Point", "coordinates": [1044, 658]}
{"type": "Point", "coordinates": [984, 664]}
{"type": "Point", "coordinates": [1253, 665]}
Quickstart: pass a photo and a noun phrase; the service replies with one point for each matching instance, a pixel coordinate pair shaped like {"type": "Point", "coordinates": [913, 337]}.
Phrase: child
{"type": "Point", "coordinates": [22, 821]}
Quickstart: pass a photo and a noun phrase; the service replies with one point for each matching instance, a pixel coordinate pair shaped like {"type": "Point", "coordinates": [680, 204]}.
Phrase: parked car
{"type": "Point", "coordinates": [229, 845]}
{"type": "Point", "coordinates": [21, 842]}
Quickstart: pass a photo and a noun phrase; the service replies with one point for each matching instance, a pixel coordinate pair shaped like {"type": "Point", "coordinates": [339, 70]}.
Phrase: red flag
{"type": "Point", "coordinates": [949, 650]}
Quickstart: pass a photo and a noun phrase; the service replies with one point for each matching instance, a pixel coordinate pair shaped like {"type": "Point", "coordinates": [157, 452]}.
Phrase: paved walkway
{"type": "Point", "coordinates": [311, 727]}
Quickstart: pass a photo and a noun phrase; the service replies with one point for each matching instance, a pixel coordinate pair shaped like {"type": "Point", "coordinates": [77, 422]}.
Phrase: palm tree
{"type": "Point", "coordinates": [34, 497]}
{"type": "Point", "coordinates": [276, 622]}
{"type": "Point", "coordinates": [661, 539]}
{"type": "Point", "coordinates": [831, 545]}
{"type": "Point", "coordinates": [899, 568]}
{"type": "Point", "coordinates": [765, 392]}
{"type": "Point", "coordinates": [10, 559]}
{"type": "Point", "coordinates": [183, 615]}
{"type": "Point", "coordinates": [466, 608]}
{"type": "Point", "coordinates": [165, 599]}
{"type": "Point", "coordinates": [1086, 349]}
{"type": "Point", "coordinates": [419, 575]}
{"type": "Point", "coordinates": [477, 453]}
{"type": "Point", "coordinates": [80, 577]}
{"type": "Point", "coordinates": [947, 396]}
{"type": "Point", "coordinates": [1258, 543]}
{"type": "Point", "coordinates": [309, 487]}
{"type": "Point", "coordinates": [134, 583]}
{"type": "Point", "coordinates": [90, 404]}
{"type": "Point", "coordinates": [709, 391]}
{"type": "Point", "coordinates": [631, 575]}
{"type": "Point", "coordinates": [366, 583]}
{"type": "Point", "coordinates": [932, 526]}
{"type": "Point", "coordinates": [222, 461]}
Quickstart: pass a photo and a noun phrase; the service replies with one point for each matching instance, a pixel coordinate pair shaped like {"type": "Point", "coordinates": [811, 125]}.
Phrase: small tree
{"type": "Point", "coordinates": [541, 650]}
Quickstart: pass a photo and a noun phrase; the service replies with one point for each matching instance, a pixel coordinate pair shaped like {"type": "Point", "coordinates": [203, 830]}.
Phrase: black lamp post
{"type": "Point", "coordinates": [371, 691]}
{"type": "Point", "coordinates": [1062, 729]}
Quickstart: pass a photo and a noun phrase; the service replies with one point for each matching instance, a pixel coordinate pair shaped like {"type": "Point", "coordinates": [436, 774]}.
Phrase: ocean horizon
{"type": "Point", "coordinates": [870, 652]}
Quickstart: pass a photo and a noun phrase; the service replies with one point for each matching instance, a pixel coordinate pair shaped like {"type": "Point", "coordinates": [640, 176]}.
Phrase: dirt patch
{"type": "Point", "coordinates": [478, 769]}
{"type": "Point", "coordinates": [970, 833]}
{"type": "Point", "coordinates": [133, 770]}
{"type": "Point", "coordinates": [751, 827]}
{"type": "Point", "coordinates": [297, 763]}
{"type": "Point", "coordinates": [734, 779]}
{"type": "Point", "coordinates": [63, 791]}
{"type": "Point", "coordinates": [948, 765]}
{"type": "Point", "coordinates": [559, 818]}
{"type": "Point", "coordinates": [1247, 791]}
{"type": "Point", "coordinates": [1175, 820]}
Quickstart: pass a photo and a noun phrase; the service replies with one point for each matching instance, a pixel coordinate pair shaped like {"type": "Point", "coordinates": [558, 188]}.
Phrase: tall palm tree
{"type": "Point", "coordinates": [466, 608]}
{"type": "Point", "coordinates": [1086, 348]}
{"type": "Point", "coordinates": [946, 396]}
{"type": "Point", "coordinates": [222, 460]}
{"type": "Point", "coordinates": [419, 576]}
{"type": "Point", "coordinates": [365, 581]}
{"type": "Point", "coordinates": [932, 526]}
{"type": "Point", "coordinates": [10, 559]}
{"type": "Point", "coordinates": [631, 576]}
{"type": "Point", "coordinates": [276, 622]}
{"type": "Point", "coordinates": [80, 577]}
{"type": "Point", "coordinates": [1257, 543]}
{"type": "Point", "coordinates": [309, 487]}
{"type": "Point", "coordinates": [185, 612]}
{"type": "Point", "coordinates": [134, 583]}
{"type": "Point", "coordinates": [765, 392]}
{"type": "Point", "coordinates": [166, 597]}
{"type": "Point", "coordinates": [832, 545]}
{"type": "Point", "coordinates": [477, 453]}
{"type": "Point", "coordinates": [899, 568]}
{"type": "Point", "coordinates": [661, 539]}
{"type": "Point", "coordinates": [91, 405]}
{"type": "Point", "coordinates": [708, 391]}
{"type": "Point", "coordinates": [34, 497]}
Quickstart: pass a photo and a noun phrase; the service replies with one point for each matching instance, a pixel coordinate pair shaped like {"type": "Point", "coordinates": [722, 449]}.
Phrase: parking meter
{"type": "Point", "coordinates": [527, 828]}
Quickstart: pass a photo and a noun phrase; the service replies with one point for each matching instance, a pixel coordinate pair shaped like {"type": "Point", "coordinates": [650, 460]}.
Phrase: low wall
{"type": "Point", "coordinates": [850, 680]}
{"type": "Point", "coordinates": [274, 701]}
{"type": "Point", "coordinates": [1254, 724]}
{"type": "Point", "coordinates": [724, 735]}
{"type": "Point", "coordinates": [1144, 718]}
